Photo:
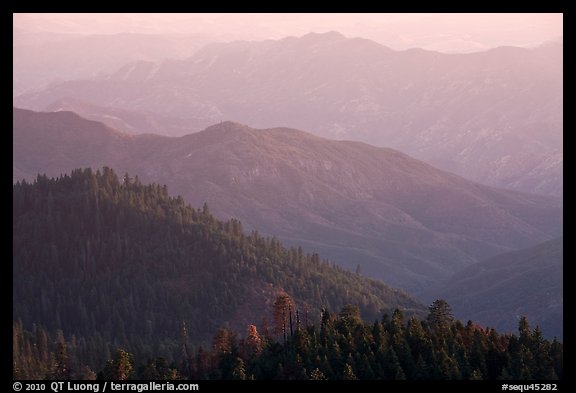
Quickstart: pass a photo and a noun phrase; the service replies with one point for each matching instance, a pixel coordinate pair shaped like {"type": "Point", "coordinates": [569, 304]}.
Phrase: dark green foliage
{"type": "Point", "coordinates": [336, 350]}
{"type": "Point", "coordinates": [40, 355]}
{"type": "Point", "coordinates": [120, 368]}
{"type": "Point", "coordinates": [158, 369]}
{"type": "Point", "coordinates": [348, 348]}
{"type": "Point", "coordinates": [440, 316]}
{"type": "Point", "coordinates": [116, 263]}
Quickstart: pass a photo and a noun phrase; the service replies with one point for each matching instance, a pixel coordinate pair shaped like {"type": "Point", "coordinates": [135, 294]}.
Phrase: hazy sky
{"type": "Point", "coordinates": [444, 32]}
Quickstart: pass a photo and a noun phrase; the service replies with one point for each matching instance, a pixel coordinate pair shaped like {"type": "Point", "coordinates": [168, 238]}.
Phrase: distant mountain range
{"type": "Point", "coordinates": [42, 58]}
{"type": "Point", "coordinates": [495, 117]}
{"type": "Point", "coordinates": [131, 122]}
{"type": "Point", "coordinates": [398, 218]}
{"type": "Point", "coordinates": [527, 282]}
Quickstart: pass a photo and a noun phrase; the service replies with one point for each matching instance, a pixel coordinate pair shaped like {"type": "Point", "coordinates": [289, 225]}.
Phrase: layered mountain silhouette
{"type": "Point", "coordinates": [495, 117]}
{"type": "Point", "coordinates": [398, 218]}
{"type": "Point", "coordinates": [499, 291]}
{"type": "Point", "coordinates": [42, 58]}
{"type": "Point", "coordinates": [132, 122]}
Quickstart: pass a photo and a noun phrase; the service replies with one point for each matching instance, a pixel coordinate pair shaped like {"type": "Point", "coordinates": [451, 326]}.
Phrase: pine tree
{"type": "Point", "coordinates": [253, 342]}
{"type": "Point", "coordinates": [317, 375]}
{"type": "Point", "coordinates": [440, 315]}
{"type": "Point", "coordinates": [222, 341]}
{"type": "Point", "coordinates": [238, 369]}
{"type": "Point", "coordinates": [120, 368]}
{"type": "Point", "coordinates": [348, 373]}
{"type": "Point", "coordinates": [61, 370]}
{"type": "Point", "coordinates": [281, 314]}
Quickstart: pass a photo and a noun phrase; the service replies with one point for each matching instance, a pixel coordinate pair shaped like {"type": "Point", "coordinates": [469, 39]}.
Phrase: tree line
{"type": "Point", "coordinates": [342, 347]}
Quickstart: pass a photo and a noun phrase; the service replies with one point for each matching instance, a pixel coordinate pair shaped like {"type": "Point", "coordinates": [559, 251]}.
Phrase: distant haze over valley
{"type": "Point", "coordinates": [241, 196]}
{"type": "Point", "coordinates": [442, 32]}
{"type": "Point", "coordinates": [495, 116]}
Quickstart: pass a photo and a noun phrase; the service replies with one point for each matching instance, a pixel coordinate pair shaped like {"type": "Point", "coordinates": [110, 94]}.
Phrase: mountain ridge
{"type": "Point", "coordinates": [495, 117]}
{"type": "Point", "coordinates": [534, 274]}
{"type": "Point", "coordinates": [401, 219]}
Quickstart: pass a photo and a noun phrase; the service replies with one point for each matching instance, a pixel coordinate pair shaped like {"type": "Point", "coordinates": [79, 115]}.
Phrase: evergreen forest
{"type": "Point", "coordinates": [114, 279]}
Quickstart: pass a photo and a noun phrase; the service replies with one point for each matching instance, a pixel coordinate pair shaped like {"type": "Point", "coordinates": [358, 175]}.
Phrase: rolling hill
{"type": "Point", "coordinates": [526, 282]}
{"type": "Point", "coordinates": [131, 122]}
{"type": "Point", "coordinates": [398, 218]}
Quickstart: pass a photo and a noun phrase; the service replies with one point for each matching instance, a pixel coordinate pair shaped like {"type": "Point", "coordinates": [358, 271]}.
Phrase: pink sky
{"type": "Point", "coordinates": [443, 32]}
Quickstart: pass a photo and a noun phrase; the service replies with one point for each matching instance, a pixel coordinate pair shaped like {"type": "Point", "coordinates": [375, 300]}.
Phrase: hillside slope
{"type": "Point", "coordinates": [527, 282]}
{"type": "Point", "coordinates": [401, 220]}
{"type": "Point", "coordinates": [119, 263]}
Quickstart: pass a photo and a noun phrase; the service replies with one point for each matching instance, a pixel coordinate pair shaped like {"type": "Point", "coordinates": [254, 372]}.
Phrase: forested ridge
{"type": "Point", "coordinates": [341, 347]}
{"type": "Point", "coordinates": [406, 222]}
{"type": "Point", "coordinates": [115, 263]}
